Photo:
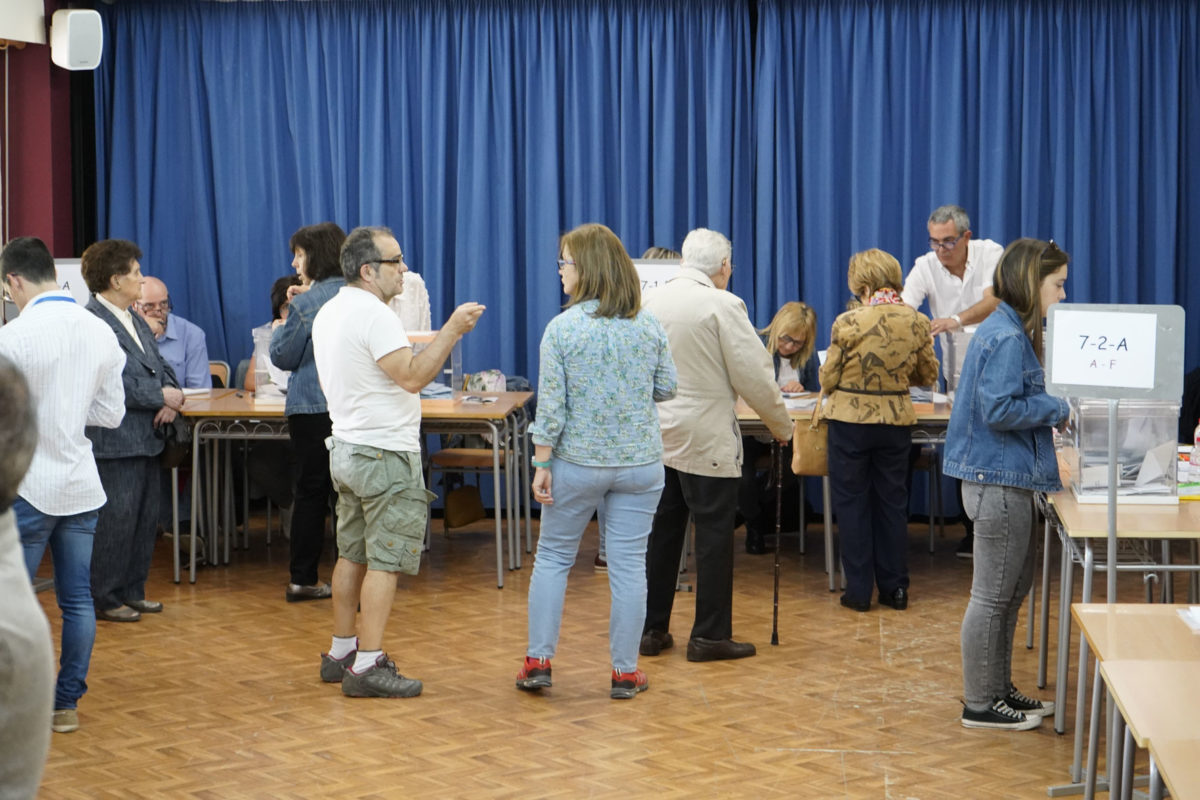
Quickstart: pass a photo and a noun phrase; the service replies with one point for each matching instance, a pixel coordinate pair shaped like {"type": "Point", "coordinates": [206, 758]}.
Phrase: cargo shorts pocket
{"type": "Point", "coordinates": [401, 537]}
{"type": "Point", "coordinates": [358, 469]}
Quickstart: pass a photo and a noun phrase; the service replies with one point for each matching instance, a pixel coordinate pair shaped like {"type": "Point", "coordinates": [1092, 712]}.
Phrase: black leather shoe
{"type": "Point", "coordinates": [654, 642]}
{"type": "Point", "coordinates": [717, 649]}
{"type": "Point", "coordinates": [897, 599]}
{"type": "Point", "coordinates": [755, 545]}
{"type": "Point", "coordinates": [856, 606]}
{"type": "Point", "coordinates": [145, 606]}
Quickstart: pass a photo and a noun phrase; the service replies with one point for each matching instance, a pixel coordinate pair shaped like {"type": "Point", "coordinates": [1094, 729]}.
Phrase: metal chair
{"type": "Point", "coordinates": [220, 373]}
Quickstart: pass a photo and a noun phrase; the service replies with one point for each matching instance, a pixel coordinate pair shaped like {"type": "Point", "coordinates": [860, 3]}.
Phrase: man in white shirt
{"type": "Point", "coordinates": [73, 364]}
{"type": "Point", "coordinates": [956, 277]}
{"type": "Point", "coordinates": [371, 380]}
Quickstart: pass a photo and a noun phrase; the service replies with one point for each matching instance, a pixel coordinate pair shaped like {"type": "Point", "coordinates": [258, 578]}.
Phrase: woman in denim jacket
{"type": "Point", "coordinates": [1000, 444]}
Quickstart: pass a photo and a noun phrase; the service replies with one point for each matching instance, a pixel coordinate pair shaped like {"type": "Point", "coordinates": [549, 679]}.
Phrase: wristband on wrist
{"type": "Point", "coordinates": [541, 464]}
{"type": "Point", "coordinates": [957, 319]}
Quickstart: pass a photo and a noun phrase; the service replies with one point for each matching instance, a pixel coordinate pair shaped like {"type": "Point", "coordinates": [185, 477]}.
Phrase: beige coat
{"type": "Point", "coordinates": [718, 357]}
{"type": "Point", "coordinates": [875, 354]}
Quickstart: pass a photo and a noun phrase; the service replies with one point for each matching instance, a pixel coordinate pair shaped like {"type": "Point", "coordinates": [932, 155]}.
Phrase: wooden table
{"type": "Point", "coordinates": [932, 420]}
{"type": "Point", "coordinates": [225, 414]}
{"type": "Point", "coordinates": [1150, 660]}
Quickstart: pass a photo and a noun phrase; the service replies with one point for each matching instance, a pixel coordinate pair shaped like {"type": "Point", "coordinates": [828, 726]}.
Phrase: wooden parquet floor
{"type": "Point", "coordinates": [218, 697]}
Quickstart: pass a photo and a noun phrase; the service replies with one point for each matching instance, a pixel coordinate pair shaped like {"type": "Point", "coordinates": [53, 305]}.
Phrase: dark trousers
{"type": "Point", "coordinates": [712, 503]}
{"type": "Point", "coordinates": [868, 470]}
{"type": "Point", "coordinates": [125, 530]}
{"type": "Point", "coordinates": [313, 494]}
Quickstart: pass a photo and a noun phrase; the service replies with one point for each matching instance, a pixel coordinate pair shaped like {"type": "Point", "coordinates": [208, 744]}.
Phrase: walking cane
{"type": "Point", "coordinates": [777, 458]}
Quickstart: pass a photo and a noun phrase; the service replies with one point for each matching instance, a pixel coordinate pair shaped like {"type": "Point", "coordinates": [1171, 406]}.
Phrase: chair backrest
{"type": "Point", "coordinates": [220, 373]}
{"type": "Point", "coordinates": [239, 377]}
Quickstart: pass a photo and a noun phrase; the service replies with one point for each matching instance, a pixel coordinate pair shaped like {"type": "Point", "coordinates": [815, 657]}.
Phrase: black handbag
{"type": "Point", "coordinates": [177, 443]}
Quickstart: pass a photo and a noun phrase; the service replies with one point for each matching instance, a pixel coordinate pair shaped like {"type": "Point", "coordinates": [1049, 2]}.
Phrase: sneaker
{"type": "Point", "coordinates": [534, 675]}
{"type": "Point", "coordinates": [627, 684]}
{"type": "Point", "coordinates": [333, 669]}
{"type": "Point", "coordinates": [380, 680]}
{"type": "Point", "coordinates": [1026, 704]}
{"type": "Point", "coordinates": [999, 715]}
{"type": "Point", "coordinates": [318, 591]}
{"type": "Point", "coordinates": [965, 547]}
{"type": "Point", "coordinates": [65, 720]}
{"type": "Point", "coordinates": [601, 564]}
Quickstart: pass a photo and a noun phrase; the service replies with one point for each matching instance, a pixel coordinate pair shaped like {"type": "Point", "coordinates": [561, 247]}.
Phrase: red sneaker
{"type": "Point", "coordinates": [534, 675]}
{"type": "Point", "coordinates": [627, 684]}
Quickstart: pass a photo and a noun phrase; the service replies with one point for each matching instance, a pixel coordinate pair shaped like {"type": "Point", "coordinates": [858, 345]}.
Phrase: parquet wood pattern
{"type": "Point", "coordinates": [218, 697]}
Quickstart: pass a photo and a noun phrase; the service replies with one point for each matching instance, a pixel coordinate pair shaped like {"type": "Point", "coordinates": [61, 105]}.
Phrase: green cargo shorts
{"type": "Point", "coordinates": [382, 506]}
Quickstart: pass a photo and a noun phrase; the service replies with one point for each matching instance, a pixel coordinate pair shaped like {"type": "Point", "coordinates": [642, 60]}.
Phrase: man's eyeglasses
{"type": "Point", "coordinates": [162, 305]}
{"type": "Point", "coordinates": [563, 263]}
{"type": "Point", "coordinates": [946, 244]}
{"type": "Point", "coordinates": [397, 260]}
{"type": "Point", "coordinates": [8, 298]}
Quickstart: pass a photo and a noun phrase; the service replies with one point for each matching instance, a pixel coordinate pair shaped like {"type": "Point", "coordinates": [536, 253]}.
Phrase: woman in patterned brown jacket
{"type": "Point", "coordinates": [876, 352]}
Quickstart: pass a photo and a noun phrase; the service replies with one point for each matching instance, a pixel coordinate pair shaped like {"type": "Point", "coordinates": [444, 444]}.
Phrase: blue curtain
{"type": "Point", "coordinates": [478, 131]}
{"type": "Point", "coordinates": [1077, 120]}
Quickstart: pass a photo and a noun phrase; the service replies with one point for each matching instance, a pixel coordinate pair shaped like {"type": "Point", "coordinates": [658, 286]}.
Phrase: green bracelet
{"type": "Point", "coordinates": [541, 464]}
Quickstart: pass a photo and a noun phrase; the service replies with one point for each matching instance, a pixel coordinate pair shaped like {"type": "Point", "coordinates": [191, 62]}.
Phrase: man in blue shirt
{"type": "Point", "coordinates": [181, 343]}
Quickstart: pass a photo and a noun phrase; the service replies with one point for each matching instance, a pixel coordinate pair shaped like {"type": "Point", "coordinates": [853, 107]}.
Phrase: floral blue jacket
{"type": "Point", "coordinates": [1000, 427]}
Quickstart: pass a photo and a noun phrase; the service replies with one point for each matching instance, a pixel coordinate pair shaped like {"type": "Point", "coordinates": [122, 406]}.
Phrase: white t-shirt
{"type": "Point", "coordinates": [947, 294]}
{"type": "Point", "coordinates": [350, 334]}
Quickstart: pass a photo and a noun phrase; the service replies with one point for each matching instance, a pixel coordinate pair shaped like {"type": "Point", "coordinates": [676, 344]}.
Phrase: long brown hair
{"type": "Point", "coordinates": [605, 271]}
{"type": "Point", "coordinates": [1018, 282]}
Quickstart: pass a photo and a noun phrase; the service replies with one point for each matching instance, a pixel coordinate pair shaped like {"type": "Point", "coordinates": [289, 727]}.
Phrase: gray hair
{"type": "Point", "coordinates": [705, 250]}
{"type": "Point", "coordinates": [18, 431]}
{"type": "Point", "coordinates": [947, 213]}
{"type": "Point", "coordinates": [359, 248]}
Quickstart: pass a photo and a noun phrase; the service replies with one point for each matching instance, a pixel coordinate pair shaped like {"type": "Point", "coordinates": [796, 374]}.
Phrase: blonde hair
{"type": "Point", "coordinates": [605, 271]}
{"type": "Point", "coordinates": [872, 270]}
{"type": "Point", "coordinates": [1018, 282]}
{"type": "Point", "coordinates": [797, 320]}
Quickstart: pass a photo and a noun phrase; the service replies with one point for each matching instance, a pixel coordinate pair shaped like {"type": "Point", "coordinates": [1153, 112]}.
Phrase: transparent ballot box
{"type": "Point", "coordinates": [451, 373]}
{"type": "Point", "coordinates": [1146, 451]}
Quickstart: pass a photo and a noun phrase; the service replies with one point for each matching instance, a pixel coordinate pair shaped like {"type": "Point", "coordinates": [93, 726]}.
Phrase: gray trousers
{"type": "Point", "coordinates": [125, 530]}
{"type": "Point", "coordinates": [1003, 574]}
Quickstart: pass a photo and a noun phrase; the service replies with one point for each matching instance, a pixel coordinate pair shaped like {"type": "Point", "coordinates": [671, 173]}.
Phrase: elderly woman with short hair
{"type": "Point", "coordinates": [876, 352]}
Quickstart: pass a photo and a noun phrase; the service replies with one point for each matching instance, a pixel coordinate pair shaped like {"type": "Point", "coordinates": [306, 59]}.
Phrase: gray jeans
{"type": "Point", "coordinates": [1003, 562]}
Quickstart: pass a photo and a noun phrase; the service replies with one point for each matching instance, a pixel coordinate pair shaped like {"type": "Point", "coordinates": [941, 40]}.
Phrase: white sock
{"type": "Point", "coordinates": [342, 646]}
{"type": "Point", "coordinates": [365, 660]}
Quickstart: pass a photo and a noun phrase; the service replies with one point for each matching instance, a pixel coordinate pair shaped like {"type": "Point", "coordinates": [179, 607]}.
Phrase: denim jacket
{"type": "Point", "coordinates": [1000, 427]}
{"type": "Point", "coordinates": [292, 348]}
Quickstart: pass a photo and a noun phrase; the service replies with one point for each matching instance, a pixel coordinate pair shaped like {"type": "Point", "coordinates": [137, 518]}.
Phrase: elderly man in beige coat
{"type": "Point", "coordinates": [718, 356]}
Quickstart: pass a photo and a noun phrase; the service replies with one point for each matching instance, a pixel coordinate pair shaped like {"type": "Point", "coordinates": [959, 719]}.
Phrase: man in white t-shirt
{"type": "Point", "coordinates": [371, 380]}
{"type": "Point", "coordinates": [956, 277]}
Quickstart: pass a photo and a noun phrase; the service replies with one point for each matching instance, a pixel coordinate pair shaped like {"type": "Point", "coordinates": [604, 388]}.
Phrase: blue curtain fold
{"type": "Point", "coordinates": [1050, 118]}
{"type": "Point", "coordinates": [479, 130]}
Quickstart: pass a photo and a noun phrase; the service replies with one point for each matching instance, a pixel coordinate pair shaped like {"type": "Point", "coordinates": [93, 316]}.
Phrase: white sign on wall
{"type": "Point", "coordinates": [655, 271]}
{"type": "Point", "coordinates": [70, 278]}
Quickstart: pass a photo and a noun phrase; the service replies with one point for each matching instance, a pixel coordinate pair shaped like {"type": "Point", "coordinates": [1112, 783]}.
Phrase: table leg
{"type": "Point", "coordinates": [1156, 783]}
{"type": "Point", "coordinates": [1045, 632]}
{"type": "Point", "coordinates": [803, 518]}
{"type": "Point", "coordinates": [1062, 657]}
{"type": "Point", "coordinates": [1081, 689]}
{"type": "Point", "coordinates": [825, 495]}
{"type": "Point", "coordinates": [496, 440]}
{"type": "Point", "coordinates": [175, 519]}
{"type": "Point", "coordinates": [197, 501]}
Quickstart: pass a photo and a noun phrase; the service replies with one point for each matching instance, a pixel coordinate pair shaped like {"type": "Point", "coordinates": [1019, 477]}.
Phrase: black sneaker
{"type": "Point", "coordinates": [999, 715]}
{"type": "Point", "coordinates": [380, 680]}
{"type": "Point", "coordinates": [966, 547]}
{"type": "Point", "coordinates": [1027, 705]}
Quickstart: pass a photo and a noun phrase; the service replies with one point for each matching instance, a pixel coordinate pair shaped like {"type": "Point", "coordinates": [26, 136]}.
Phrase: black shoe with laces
{"type": "Point", "coordinates": [1027, 705]}
{"type": "Point", "coordinates": [1000, 716]}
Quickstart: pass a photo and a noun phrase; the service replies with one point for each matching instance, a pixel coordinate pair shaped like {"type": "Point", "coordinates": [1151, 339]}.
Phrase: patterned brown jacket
{"type": "Point", "coordinates": [875, 354]}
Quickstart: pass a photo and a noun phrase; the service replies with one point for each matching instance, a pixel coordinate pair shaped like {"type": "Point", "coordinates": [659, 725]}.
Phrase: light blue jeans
{"type": "Point", "coordinates": [1003, 574]}
{"type": "Point", "coordinates": [630, 496]}
{"type": "Point", "coordinates": [70, 540]}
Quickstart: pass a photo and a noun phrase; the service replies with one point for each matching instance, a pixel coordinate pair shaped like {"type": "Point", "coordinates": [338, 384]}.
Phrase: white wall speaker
{"type": "Point", "coordinates": [76, 38]}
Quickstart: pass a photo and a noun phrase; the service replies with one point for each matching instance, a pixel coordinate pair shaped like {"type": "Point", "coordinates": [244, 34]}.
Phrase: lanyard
{"type": "Point", "coordinates": [52, 299]}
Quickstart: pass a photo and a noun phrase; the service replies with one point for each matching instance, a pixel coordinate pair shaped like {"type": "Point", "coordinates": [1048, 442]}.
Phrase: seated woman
{"type": "Point", "coordinates": [875, 353]}
{"type": "Point", "coordinates": [791, 341]}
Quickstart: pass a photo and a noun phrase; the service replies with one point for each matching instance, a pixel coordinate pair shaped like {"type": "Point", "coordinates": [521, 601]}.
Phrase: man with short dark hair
{"type": "Point", "coordinates": [718, 356]}
{"type": "Point", "coordinates": [73, 364]}
{"type": "Point", "coordinates": [371, 380]}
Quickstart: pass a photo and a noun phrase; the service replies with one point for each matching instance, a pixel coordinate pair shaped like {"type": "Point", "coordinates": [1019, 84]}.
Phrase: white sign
{"type": "Point", "coordinates": [655, 271]}
{"type": "Point", "coordinates": [1104, 348]}
{"type": "Point", "coordinates": [70, 278]}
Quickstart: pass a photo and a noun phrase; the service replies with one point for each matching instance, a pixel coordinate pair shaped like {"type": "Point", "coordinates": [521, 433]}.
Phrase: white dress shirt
{"type": "Point", "coordinates": [73, 365]}
{"type": "Point", "coordinates": [125, 317]}
{"type": "Point", "coordinates": [948, 294]}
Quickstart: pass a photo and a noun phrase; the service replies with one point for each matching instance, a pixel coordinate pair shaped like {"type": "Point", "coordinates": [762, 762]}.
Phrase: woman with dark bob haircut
{"type": "Point", "coordinates": [315, 256]}
{"type": "Point", "coordinates": [999, 442]}
{"type": "Point", "coordinates": [604, 364]}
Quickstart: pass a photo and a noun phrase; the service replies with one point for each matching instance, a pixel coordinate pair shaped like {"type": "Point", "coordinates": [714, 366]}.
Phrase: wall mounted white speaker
{"type": "Point", "coordinates": [76, 38]}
